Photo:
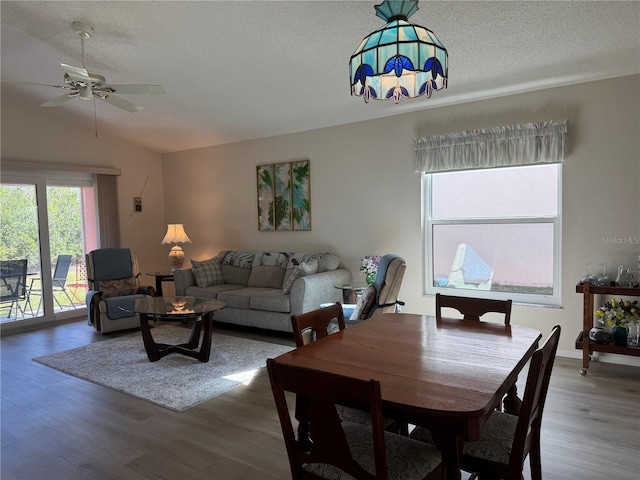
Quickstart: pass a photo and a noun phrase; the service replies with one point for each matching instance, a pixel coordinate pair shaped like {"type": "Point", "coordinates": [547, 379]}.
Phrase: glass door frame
{"type": "Point", "coordinates": [41, 180]}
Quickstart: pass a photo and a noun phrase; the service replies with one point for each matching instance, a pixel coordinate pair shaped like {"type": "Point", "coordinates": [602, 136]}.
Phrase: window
{"type": "Point", "coordinates": [494, 233]}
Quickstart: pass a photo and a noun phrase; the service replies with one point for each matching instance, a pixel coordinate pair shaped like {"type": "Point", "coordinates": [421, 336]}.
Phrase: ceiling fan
{"type": "Point", "coordinates": [89, 85]}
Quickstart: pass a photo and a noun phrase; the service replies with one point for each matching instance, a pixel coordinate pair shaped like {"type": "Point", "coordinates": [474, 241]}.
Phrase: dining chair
{"type": "Point", "coordinates": [13, 280]}
{"type": "Point", "coordinates": [473, 308]}
{"type": "Point", "coordinates": [316, 324]}
{"type": "Point", "coordinates": [506, 440]}
{"type": "Point", "coordinates": [345, 449]}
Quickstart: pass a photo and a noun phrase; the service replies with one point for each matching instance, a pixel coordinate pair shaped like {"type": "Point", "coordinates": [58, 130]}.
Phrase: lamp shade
{"type": "Point", "coordinates": [400, 59]}
{"type": "Point", "coordinates": [175, 234]}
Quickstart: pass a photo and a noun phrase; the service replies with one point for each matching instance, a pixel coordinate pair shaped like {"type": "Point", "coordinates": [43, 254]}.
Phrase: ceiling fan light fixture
{"type": "Point", "coordinates": [400, 59]}
{"type": "Point", "coordinates": [86, 93]}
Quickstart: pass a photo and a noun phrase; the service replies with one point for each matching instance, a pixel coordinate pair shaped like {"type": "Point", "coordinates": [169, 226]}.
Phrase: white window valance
{"type": "Point", "coordinates": [509, 146]}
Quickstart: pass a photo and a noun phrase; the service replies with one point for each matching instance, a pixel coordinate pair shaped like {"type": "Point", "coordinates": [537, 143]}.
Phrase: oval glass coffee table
{"type": "Point", "coordinates": [177, 309]}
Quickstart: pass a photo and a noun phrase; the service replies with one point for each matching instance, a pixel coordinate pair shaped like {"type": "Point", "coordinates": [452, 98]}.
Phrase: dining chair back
{"type": "Point", "coordinates": [473, 308]}
{"type": "Point", "coordinates": [311, 326]}
{"type": "Point", "coordinates": [340, 447]}
{"type": "Point", "coordinates": [506, 440]}
{"type": "Point", "coordinates": [524, 430]}
{"type": "Point", "coordinates": [13, 281]}
{"type": "Point", "coordinates": [316, 324]}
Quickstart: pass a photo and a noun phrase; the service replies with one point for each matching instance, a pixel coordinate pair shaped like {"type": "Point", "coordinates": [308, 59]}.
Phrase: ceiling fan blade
{"type": "Point", "coordinates": [65, 87]}
{"type": "Point", "coordinates": [140, 89]}
{"type": "Point", "coordinates": [121, 103]}
{"type": "Point", "coordinates": [77, 74]}
{"type": "Point", "coordinates": [57, 101]}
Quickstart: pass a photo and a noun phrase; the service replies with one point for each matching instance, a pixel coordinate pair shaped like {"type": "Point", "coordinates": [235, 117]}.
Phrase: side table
{"type": "Point", "coordinates": [161, 277]}
{"type": "Point", "coordinates": [350, 292]}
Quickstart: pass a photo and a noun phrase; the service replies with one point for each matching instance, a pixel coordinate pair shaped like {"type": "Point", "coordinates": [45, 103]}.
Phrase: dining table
{"type": "Point", "coordinates": [447, 375]}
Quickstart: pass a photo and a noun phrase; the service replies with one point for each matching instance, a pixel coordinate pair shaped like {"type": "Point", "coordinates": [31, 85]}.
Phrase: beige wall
{"type": "Point", "coordinates": [42, 135]}
{"type": "Point", "coordinates": [365, 198]}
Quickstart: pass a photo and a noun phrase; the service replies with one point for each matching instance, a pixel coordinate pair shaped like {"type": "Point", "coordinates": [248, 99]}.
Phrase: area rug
{"type": "Point", "coordinates": [176, 382]}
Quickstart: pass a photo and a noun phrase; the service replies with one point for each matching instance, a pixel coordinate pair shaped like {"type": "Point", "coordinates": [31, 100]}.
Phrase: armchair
{"type": "Point", "coordinates": [112, 274]}
{"type": "Point", "coordinates": [382, 295]}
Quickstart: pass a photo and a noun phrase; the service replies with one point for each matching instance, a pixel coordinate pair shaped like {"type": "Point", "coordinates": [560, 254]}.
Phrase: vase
{"type": "Point", "coordinates": [633, 335]}
{"type": "Point", "coordinates": [619, 335]}
{"type": "Point", "coordinates": [600, 335]}
{"type": "Point", "coordinates": [624, 278]}
{"type": "Point", "coordinates": [370, 278]}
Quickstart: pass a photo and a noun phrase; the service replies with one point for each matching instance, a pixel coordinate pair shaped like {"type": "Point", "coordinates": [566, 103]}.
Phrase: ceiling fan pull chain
{"type": "Point", "coordinates": [95, 115]}
{"type": "Point", "coordinates": [82, 35]}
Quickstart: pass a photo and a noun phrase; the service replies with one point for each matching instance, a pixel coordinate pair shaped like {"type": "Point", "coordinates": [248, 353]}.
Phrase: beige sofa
{"type": "Point", "coordinates": [263, 289]}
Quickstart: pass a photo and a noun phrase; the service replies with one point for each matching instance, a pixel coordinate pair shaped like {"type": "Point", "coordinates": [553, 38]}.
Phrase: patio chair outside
{"type": "Point", "coordinates": [59, 281]}
{"type": "Point", "coordinates": [13, 274]}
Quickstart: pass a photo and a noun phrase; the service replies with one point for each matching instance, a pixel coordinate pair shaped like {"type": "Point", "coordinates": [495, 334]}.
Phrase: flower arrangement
{"type": "Point", "coordinates": [618, 313]}
{"type": "Point", "coordinates": [369, 267]}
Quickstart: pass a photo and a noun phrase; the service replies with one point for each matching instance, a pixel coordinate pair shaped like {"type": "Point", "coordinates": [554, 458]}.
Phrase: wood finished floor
{"type": "Point", "coordinates": [57, 427]}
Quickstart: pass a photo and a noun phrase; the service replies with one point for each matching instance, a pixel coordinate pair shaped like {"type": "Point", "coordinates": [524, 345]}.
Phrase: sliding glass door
{"type": "Point", "coordinates": [50, 221]}
{"type": "Point", "coordinates": [19, 247]}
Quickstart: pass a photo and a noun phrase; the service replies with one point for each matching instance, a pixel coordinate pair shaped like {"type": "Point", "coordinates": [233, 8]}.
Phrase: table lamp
{"type": "Point", "coordinates": [175, 234]}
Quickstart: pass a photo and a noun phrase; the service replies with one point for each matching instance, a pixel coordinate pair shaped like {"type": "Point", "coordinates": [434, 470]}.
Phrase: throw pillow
{"type": "Point", "coordinates": [365, 302]}
{"type": "Point", "coordinates": [328, 262]}
{"type": "Point", "coordinates": [118, 288]}
{"type": "Point", "coordinates": [302, 270]}
{"type": "Point", "coordinates": [207, 273]}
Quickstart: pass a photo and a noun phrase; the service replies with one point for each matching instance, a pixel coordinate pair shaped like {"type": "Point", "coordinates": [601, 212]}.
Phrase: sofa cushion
{"type": "Point", "coordinates": [236, 266]}
{"type": "Point", "coordinates": [235, 275]}
{"type": "Point", "coordinates": [271, 301]}
{"type": "Point", "coordinates": [240, 298]}
{"type": "Point", "coordinates": [365, 302]}
{"type": "Point", "coordinates": [207, 272]}
{"type": "Point", "coordinates": [210, 292]}
{"type": "Point", "coordinates": [305, 268]}
{"type": "Point", "coordinates": [268, 276]}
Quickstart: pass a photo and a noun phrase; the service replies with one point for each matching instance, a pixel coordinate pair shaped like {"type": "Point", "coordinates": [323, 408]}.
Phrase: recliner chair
{"type": "Point", "coordinates": [383, 297]}
{"type": "Point", "coordinates": [112, 274]}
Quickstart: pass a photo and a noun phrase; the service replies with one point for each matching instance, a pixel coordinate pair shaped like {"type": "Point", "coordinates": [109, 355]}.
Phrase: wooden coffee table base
{"type": "Point", "coordinates": [155, 351]}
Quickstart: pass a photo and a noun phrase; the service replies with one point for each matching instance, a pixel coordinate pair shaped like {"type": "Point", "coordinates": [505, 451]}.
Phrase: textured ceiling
{"type": "Point", "coordinates": [250, 69]}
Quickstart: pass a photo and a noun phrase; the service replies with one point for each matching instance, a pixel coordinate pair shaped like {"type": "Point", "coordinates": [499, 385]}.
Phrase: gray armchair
{"type": "Point", "coordinates": [112, 274]}
{"type": "Point", "coordinates": [382, 295]}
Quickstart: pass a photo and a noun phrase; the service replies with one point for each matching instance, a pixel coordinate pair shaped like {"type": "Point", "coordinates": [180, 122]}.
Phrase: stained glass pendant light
{"type": "Point", "coordinates": [400, 59]}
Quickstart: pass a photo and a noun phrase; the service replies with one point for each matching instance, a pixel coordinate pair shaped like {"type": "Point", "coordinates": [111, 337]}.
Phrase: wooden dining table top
{"type": "Point", "coordinates": [449, 373]}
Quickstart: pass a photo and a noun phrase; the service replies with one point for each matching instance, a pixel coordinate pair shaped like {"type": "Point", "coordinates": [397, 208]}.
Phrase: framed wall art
{"type": "Point", "coordinates": [284, 196]}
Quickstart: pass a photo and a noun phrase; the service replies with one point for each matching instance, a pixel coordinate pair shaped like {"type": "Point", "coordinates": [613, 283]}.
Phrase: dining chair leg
{"type": "Point", "coordinates": [534, 461]}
